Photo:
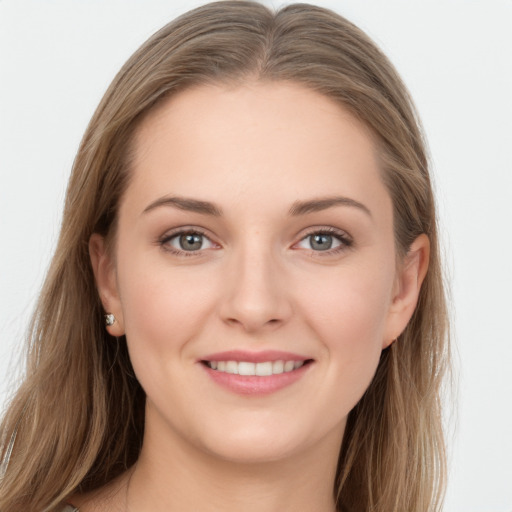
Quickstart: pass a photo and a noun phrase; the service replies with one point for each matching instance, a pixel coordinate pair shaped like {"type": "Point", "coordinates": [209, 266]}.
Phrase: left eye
{"type": "Point", "coordinates": [189, 242]}
{"type": "Point", "coordinates": [320, 242]}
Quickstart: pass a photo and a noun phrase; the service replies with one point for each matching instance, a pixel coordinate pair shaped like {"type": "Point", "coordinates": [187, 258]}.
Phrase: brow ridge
{"type": "Point", "coordinates": [319, 204]}
{"type": "Point", "coordinates": [297, 208]}
{"type": "Point", "coordinates": [187, 204]}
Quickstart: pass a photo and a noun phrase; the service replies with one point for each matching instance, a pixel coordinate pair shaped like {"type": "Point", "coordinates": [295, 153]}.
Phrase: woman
{"type": "Point", "coordinates": [245, 308]}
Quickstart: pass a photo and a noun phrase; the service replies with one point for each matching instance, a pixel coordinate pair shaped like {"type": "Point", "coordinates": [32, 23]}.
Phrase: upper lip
{"type": "Point", "coordinates": [254, 357]}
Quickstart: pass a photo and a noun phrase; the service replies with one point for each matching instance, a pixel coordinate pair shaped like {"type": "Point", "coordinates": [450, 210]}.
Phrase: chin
{"type": "Point", "coordinates": [259, 443]}
{"type": "Point", "coordinates": [250, 452]}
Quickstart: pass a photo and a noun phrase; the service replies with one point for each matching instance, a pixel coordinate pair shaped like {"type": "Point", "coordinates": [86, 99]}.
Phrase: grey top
{"type": "Point", "coordinates": [69, 508]}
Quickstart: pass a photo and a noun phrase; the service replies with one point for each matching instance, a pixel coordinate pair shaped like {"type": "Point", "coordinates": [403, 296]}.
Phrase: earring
{"type": "Point", "coordinates": [109, 319]}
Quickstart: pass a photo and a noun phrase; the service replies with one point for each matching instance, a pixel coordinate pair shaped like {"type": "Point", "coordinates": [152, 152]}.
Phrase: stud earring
{"type": "Point", "coordinates": [109, 319]}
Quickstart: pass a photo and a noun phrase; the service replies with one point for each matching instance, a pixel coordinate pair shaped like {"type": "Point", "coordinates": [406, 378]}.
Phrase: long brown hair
{"type": "Point", "coordinates": [79, 413]}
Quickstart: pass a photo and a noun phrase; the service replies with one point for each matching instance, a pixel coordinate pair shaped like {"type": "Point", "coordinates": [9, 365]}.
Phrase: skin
{"type": "Point", "coordinates": [256, 283]}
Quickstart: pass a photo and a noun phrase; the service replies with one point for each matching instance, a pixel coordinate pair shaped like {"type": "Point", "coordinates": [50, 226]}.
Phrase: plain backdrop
{"type": "Point", "coordinates": [58, 57]}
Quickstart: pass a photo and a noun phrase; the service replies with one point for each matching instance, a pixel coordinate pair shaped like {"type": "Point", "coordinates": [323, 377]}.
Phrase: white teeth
{"type": "Point", "coordinates": [231, 367]}
{"type": "Point", "coordinates": [263, 369]}
{"type": "Point", "coordinates": [289, 366]}
{"type": "Point", "coordinates": [246, 368]}
{"type": "Point", "coordinates": [277, 367]}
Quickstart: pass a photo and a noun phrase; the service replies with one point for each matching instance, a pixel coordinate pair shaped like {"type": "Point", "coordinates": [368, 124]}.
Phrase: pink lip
{"type": "Point", "coordinates": [254, 384]}
{"type": "Point", "coordinates": [254, 357]}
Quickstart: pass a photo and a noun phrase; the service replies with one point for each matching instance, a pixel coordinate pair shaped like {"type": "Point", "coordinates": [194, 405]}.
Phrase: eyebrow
{"type": "Point", "coordinates": [317, 205]}
{"type": "Point", "coordinates": [297, 208]}
{"type": "Point", "coordinates": [187, 204]}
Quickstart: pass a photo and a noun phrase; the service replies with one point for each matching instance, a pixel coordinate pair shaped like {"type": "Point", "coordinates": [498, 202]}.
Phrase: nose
{"type": "Point", "coordinates": [256, 297]}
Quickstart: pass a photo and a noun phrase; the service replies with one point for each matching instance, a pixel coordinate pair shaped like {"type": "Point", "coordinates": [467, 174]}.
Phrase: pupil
{"type": "Point", "coordinates": [321, 242]}
{"type": "Point", "coordinates": [191, 242]}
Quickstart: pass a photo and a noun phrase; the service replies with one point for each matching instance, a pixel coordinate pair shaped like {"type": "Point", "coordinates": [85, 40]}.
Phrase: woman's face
{"type": "Point", "coordinates": [256, 236]}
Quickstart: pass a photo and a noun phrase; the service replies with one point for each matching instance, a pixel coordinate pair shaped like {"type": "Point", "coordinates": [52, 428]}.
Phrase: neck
{"type": "Point", "coordinates": [177, 476]}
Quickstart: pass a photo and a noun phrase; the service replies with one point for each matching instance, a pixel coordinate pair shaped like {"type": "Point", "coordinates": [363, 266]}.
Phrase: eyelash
{"type": "Point", "coordinates": [345, 241]}
{"type": "Point", "coordinates": [164, 241]}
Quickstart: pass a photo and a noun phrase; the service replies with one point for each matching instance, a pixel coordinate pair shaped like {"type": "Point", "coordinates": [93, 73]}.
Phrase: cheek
{"type": "Point", "coordinates": [163, 308]}
{"type": "Point", "coordinates": [349, 302]}
{"type": "Point", "coordinates": [347, 312]}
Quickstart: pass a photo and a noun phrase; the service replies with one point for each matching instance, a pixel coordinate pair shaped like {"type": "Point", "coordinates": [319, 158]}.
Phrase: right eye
{"type": "Point", "coordinates": [187, 242]}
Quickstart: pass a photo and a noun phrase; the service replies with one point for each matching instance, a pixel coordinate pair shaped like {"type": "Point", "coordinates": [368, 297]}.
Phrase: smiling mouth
{"type": "Point", "coordinates": [261, 369]}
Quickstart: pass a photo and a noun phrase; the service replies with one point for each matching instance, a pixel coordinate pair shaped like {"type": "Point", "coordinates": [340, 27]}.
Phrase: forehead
{"type": "Point", "coordinates": [254, 139]}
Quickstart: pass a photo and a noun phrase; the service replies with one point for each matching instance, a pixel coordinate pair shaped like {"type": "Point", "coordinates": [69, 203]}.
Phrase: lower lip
{"type": "Point", "coordinates": [254, 384]}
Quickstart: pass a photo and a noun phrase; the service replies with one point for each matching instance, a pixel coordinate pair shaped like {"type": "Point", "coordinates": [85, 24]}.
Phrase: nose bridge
{"type": "Point", "coordinates": [255, 297]}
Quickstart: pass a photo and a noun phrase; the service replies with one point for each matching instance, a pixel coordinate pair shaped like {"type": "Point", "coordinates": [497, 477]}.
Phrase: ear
{"type": "Point", "coordinates": [406, 290]}
{"type": "Point", "coordinates": [106, 282]}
